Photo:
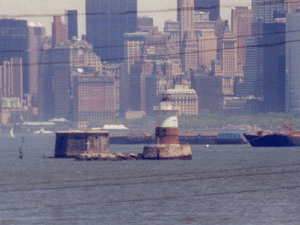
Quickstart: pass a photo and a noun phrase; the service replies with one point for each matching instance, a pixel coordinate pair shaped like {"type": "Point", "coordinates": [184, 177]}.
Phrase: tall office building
{"type": "Point", "coordinates": [106, 23]}
{"type": "Point", "coordinates": [208, 41]}
{"type": "Point", "coordinates": [227, 67]}
{"type": "Point", "coordinates": [14, 43]}
{"type": "Point", "coordinates": [251, 70]}
{"type": "Point", "coordinates": [186, 19]}
{"type": "Point", "coordinates": [188, 44]}
{"type": "Point", "coordinates": [292, 62]}
{"type": "Point", "coordinates": [257, 70]}
{"type": "Point", "coordinates": [201, 26]}
{"type": "Point", "coordinates": [59, 32]}
{"type": "Point", "coordinates": [137, 47]}
{"type": "Point", "coordinates": [60, 60]}
{"type": "Point", "coordinates": [45, 83]}
{"type": "Point", "coordinates": [67, 62]}
{"type": "Point", "coordinates": [209, 91]}
{"type": "Point", "coordinates": [11, 77]}
{"type": "Point", "coordinates": [137, 84]}
{"type": "Point", "coordinates": [211, 6]}
{"type": "Point", "coordinates": [72, 21]}
{"type": "Point", "coordinates": [36, 38]}
{"type": "Point", "coordinates": [241, 21]}
{"type": "Point", "coordinates": [274, 67]}
{"type": "Point", "coordinates": [266, 10]}
{"type": "Point", "coordinates": [95, 98]}
{"type": "Point", "coordinates": [134, 44]}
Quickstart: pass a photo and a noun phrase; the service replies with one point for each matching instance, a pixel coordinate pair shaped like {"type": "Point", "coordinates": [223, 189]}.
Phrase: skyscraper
{"type": "Point", "coordinates": [241, 21]}
{"type": "Point", "coordinates": [14, 43]}
{"type": "Point", "coordinates": [207, 42]}
{"type": "Point", "coordinates": [11, 76]}
{"type": "Point", "coordinates": [274, 67]}
{"type": "Point", "coordinates": [186, 17]}
{"type": "Point", "coordinates": [59, 31]}
{"type": "Point", "coordinates": [211, 6]}
{"type": "Point", "coordinates": [266, 10]}
{"type": "Point", "coordinates": [68, 62]}
{"type": "Point", "coordinates": [95, 98]}
{"type": "Point", "coordinates": [292, 63]}
{"type": "Point", "coordinates": [227, 67]}
{"type": "Point", "coordinates": [72, 24]}
{"type": "Point", "coordinates": [188, 44]}
{"type": "Point", "coordinates": [36, 35]}
{"type": "Point", "coordinates": [106, 23]}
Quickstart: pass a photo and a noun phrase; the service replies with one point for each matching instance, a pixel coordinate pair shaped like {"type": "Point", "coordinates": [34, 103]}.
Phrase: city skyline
{"type": "Point", "coordinates": [143, 62]}
{"type": "Point", "coordinates": [42, 12]}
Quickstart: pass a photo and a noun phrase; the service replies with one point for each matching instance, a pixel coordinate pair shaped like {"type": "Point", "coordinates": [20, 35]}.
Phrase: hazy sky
{"type": "Point", "coordinates": [43, 10]}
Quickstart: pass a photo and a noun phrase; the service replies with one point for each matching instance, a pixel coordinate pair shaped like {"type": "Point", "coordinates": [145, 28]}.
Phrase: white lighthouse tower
{"type": "Point", "coordinates": [166, 134]}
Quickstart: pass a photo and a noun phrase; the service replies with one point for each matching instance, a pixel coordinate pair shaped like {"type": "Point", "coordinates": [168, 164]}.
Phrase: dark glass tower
{"type": "Point", "coordinates": [14, 41]}
{"type": "Point", "coordinates": [211, 6]}
{"type": "Point", "coordinates": [274, 79]}
{"type": "Point", "coordinates": [266, 11]}
{"type": "Point", "coordinates": [72, 24]}
{"type": "Point", "coordinates": [106, 23]}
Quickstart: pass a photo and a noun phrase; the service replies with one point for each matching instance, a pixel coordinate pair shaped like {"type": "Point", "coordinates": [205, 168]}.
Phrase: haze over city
{"type": "Point", "coordinates": [41, 7]}
{"type": "Point", "coordinates": [85, 61]}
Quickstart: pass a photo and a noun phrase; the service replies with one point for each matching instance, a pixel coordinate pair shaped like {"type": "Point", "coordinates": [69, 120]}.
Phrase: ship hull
{"type": "Point", "coordinates": [273, 140]}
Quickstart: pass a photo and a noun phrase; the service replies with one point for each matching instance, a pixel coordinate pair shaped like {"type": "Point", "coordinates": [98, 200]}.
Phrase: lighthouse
{"type": "Point", "coordinates": [166, 131]}
{"type": "Point", "coordinates": [167, 144]}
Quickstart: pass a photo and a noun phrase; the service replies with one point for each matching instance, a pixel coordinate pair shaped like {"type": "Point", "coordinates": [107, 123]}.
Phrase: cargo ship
{"type": "Point", "coordinates": [275, 139]}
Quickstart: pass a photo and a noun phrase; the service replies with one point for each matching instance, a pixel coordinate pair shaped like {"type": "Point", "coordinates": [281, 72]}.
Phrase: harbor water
{"type": "Point", "coordinates": [223, 184]}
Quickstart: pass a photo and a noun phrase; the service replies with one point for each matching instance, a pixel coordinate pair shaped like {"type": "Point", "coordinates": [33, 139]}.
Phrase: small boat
{"type": "Point", "coordinates": [42, 131]}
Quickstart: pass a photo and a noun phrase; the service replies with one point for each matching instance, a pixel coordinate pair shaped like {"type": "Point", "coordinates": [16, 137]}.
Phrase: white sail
{"type": "Point", "coordinates": [12, 135]}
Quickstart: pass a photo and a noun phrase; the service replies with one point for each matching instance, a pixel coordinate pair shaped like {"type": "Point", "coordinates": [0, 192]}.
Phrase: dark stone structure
{"type": "Point", "coordinates": [71, 144]}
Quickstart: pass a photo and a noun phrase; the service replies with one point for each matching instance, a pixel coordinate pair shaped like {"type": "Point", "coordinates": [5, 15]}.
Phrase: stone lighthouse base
{"type": "Point", "coordinates": [167, 152]}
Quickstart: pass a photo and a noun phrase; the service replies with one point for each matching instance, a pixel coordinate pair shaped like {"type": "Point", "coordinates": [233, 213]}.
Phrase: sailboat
{"type": "Point", "coordinates": [12, 135]}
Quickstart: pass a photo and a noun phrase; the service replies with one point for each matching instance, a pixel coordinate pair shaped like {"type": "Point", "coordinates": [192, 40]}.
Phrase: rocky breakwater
{"type": "Point", "coordinates": [151, 152]}
{"type": "Point", "coordinates": [109, 157]}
